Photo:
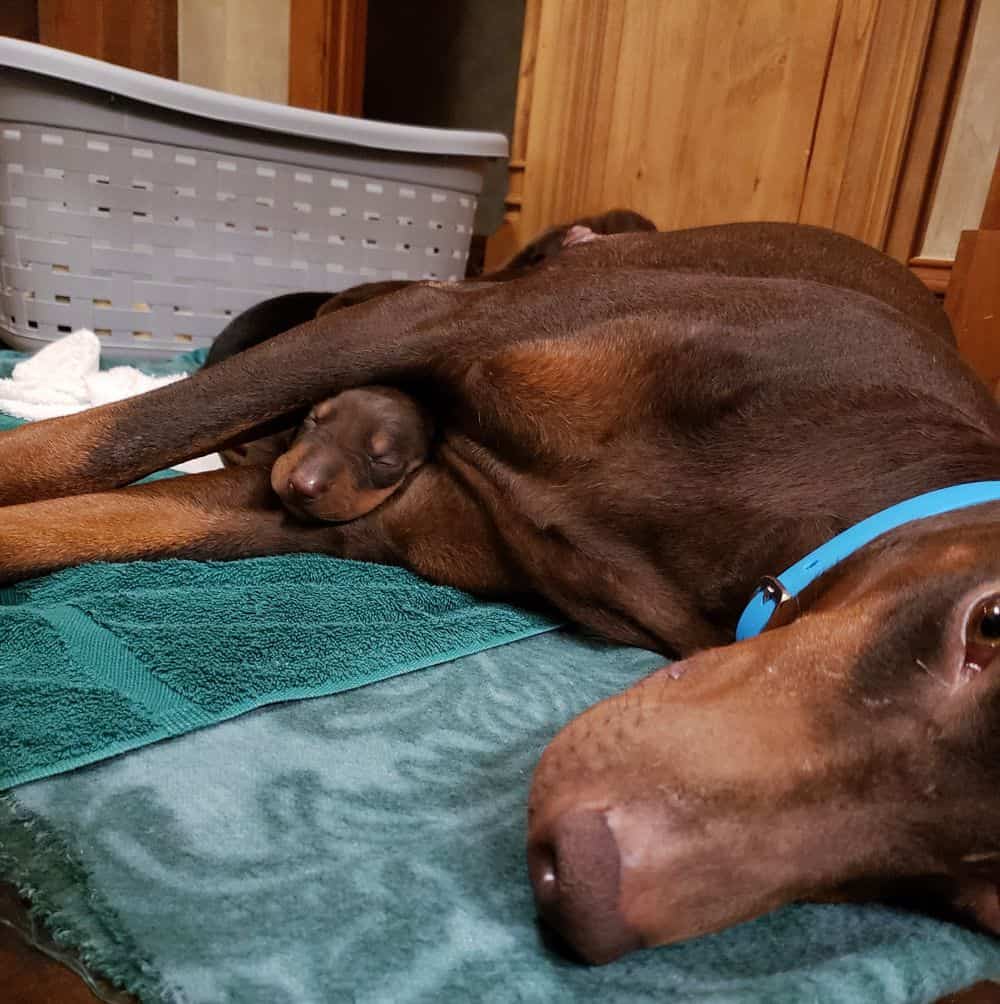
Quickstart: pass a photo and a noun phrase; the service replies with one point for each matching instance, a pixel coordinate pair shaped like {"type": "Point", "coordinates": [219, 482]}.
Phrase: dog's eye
{"type": "Point", "coordinates": [986, 623]}
{"type": "Point", "coordinates": [982, 634]}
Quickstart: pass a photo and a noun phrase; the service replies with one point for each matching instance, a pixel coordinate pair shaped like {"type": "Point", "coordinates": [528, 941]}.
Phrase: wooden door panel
{"type": "Point", "coordinates": [860, 157]}
{"type": "Point", "coordinates": [327, 55]}
{"type": "Point", "coordinates": [821, 111]}
{"type": "Point", "coordinates": [691, 113]}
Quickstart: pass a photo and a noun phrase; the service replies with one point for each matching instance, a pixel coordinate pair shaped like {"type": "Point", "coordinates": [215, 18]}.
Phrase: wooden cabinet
{"type": "Point", "coordinates": [140, 34]}
{"type": "Point", "coordinates": [705, 111]}
{"type": "Point", "coordinates": [973, 300]}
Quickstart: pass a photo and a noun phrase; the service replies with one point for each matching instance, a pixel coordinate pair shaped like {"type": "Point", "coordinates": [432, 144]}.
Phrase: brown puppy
{"type": "Point", "coordinates": [351, 453]}
{"type": "Point", "coordinates": [325, 476]}
{"type": "Point", "coordinates": [264, 321]}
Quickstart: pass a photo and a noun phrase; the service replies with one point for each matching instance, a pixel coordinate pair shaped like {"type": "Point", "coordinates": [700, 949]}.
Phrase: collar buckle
{"type": "Point", "coordinates": [786, 606]}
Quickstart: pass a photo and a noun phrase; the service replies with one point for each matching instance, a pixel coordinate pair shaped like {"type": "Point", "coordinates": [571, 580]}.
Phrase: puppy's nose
{"type": "Point", "coordinates": [306, 484]}
{"type": "Point", "coordinates": [575, 869]}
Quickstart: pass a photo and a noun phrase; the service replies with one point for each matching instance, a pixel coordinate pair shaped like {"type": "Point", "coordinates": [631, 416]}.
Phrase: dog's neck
{"type": "Point", "coordinates": [776, 597]}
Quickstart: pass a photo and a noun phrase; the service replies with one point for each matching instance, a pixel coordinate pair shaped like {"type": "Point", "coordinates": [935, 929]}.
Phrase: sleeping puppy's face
{"type": "Point", "coordinates": [352, 452]}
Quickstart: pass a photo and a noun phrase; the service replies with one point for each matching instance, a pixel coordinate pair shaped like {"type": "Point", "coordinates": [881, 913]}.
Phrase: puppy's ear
{"type": "Point", "coordinates": [578, 235]}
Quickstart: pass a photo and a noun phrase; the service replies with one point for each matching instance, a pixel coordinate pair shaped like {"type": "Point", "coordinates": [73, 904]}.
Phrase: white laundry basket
{"type": "Point", "coordinates": [153, 211]}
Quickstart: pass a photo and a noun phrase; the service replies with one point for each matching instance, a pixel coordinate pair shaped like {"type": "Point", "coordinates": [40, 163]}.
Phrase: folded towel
{"type": "Point", "coordinates": [369, 847]}
{"type": "Point", "coordinates": [106, 658]}
{"type": "Point", "coordinates": [67, 376]}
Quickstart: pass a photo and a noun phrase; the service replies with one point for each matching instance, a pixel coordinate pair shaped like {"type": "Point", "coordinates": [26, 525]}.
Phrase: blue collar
{"type": "Point", "coordinates": [773, 593]}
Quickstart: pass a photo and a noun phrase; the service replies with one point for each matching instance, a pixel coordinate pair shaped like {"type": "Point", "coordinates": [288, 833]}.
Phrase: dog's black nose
{"type": "Point", "coordinates": [575, 869]}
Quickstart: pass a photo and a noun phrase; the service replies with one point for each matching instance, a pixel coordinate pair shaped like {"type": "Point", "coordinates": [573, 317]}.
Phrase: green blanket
{"type": "Point", "coordinates": [103, 659]}
{"type": "Point", "coordinates": [369, 848]}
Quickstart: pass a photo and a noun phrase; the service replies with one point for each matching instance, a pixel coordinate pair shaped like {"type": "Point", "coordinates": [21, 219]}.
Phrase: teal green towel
{"type": "Point", "coordinates": [106, 658]}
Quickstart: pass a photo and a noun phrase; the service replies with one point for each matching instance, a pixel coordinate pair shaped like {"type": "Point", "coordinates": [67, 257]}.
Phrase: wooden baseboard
{"type": "Point", "coordinates": [934, 273]}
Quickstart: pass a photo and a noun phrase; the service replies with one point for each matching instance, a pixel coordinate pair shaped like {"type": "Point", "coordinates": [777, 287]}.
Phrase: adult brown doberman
{"type": "Point", "coordinates": [636, 432]}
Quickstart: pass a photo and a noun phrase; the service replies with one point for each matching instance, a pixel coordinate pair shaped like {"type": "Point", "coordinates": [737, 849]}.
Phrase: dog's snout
{"type": "Point", "coordinates": [575, 870]}
{"type": "Point", "coordinates": [306, 484]}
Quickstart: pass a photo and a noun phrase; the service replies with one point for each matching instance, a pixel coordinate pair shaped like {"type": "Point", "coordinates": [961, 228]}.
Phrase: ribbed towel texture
{"type": "Point", "coordinates": [105, 658]}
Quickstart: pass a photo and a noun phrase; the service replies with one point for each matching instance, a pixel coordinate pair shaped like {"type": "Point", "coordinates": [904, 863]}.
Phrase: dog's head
{"type": "Point", "coordinates": [852, 753]}
{"type": "Point", "coordinates": [352, 452]}
{"type": "Point", "coordinates": [549, 243]}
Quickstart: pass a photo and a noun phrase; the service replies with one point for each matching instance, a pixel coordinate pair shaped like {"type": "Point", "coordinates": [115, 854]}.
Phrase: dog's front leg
{"type": "Point", "coordinates": [427, 334]}
{"type": "Point", "coordinates": [111, 446]}
{"type": "Point", "coordinates": [223, 514]}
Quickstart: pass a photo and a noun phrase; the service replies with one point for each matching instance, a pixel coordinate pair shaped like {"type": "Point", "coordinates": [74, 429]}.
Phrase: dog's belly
{"type": "Point", "coordinates": [554, 539]}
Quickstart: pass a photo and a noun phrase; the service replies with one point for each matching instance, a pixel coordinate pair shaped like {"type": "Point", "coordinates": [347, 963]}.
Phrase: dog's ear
{"type": "Point", "coordinates": [553, 240]}
{"type": "Point", "coordinates": [618, 221]}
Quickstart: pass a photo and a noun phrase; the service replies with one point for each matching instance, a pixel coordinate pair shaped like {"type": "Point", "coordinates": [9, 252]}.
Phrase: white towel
{"type": "Point", "coordinates": [65, 377]}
